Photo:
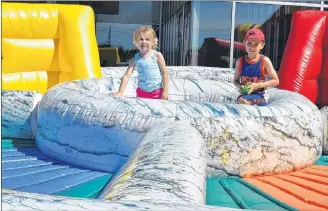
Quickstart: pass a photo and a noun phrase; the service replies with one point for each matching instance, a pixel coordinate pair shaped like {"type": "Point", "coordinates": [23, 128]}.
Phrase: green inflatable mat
{"type": "Point", "coordinates": [234, 192]}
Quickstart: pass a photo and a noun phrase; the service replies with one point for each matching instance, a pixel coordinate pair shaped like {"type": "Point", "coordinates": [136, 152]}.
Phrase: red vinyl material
{"type": "Point", "coordinates": [304, 56]}
{"type": "Point", "coordinates": [323, 79]}
{"type": "Point", "coordinates": [236, 45]}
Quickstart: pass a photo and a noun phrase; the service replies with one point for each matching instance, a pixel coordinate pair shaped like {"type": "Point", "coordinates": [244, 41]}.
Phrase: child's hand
{"type": "Point", "coordinates": [118, 94]}
{"type": "Point", "coordinates": [244, 89]}
{"type": "Point", "coordinates": [253, 87]}
{"type": "Point", "coordinates": [164, 96]}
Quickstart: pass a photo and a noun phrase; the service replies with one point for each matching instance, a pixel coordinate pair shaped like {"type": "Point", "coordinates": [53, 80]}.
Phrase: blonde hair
{"type": "Point", "coordinates": [145, 30]}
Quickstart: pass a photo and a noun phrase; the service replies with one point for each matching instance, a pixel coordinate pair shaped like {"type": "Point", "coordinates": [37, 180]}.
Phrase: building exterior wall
{"type": "Point", "coordinates": [116, 30]}
{"type": "Point", "coordinates": [175, 31]}
{"type": "Point", "coordinates": [201, 33]}
{"type": "Point", "coordinates": [212, 25]}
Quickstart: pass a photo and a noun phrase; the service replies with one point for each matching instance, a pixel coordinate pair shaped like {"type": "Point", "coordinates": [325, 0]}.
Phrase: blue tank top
{"type": "Point", "coordinates": [149, 73]}
{"type": "Point", "coordinates": [252, 72]}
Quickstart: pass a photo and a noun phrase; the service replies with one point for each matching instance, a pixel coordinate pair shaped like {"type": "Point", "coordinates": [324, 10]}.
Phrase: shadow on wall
{"type": "Point", "coordinates": [113, 56]}
{"type": "Point", "coordinates": [108, 56]}
{"type": "Point", "coordinates": [215, 52]}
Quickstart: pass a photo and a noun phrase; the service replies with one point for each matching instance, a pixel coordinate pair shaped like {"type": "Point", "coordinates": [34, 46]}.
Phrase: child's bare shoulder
{"type": "Point", "coordinates": [266, 59]}
{"type": "Point", "coordinates": [159, 55]}
{"type": "Point", "coordinates": [237, 62]}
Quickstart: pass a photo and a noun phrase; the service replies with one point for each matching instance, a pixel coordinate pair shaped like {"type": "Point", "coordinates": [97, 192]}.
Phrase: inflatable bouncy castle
{"type": "Point", "coordinates": [68, 144]}
{"type": "Point", "coordinates": [304, 68]}
{"type": "Point", "coordinates": [43, 45]}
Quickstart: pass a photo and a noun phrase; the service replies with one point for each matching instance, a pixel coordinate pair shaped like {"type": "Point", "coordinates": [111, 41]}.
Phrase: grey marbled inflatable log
{"type": "Point", "coordinates": [80, 123]}
{"type": "Point", "coordinates": [324, 112]}
{"type": "Point", "coordinates": [18, 117]}
{"type": "Point", "coordinates": [168, 166]}
{"type": "Point", "coordinates": [241, 139]}
{"type": "Point", "coordinates": [198, 90]}
{"type": "Point", "coordinates": [183, 72]}
{"type": "Point", "coordinates": [12, 200]}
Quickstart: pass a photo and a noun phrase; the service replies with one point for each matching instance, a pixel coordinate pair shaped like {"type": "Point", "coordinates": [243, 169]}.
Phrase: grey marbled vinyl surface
{"type": "Point", "coordinates": [12, 200]}
{"type": "Point", "coordinates": [197, 90]}
{"type": "Point", "coordinates": [184, 72]}
{"type": "Point", "coordinates": [80, 123]}
{"type": "Point", "coordinates": [18, 116]}
{"type": "Point", "coordinates": [241, 139]}
{"type": "Point", "coordinates": [324, 112]}
{"type": "Point", "coordinates": [168, 166]}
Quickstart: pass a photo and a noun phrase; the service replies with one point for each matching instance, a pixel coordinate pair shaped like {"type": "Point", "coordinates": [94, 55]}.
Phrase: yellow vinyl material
{"type": "Point", "coordinates": [15, 57]}
{"type": "Point", "coordinates": [25, 81]}
{"type": "Point", "coordinates": [45, 44]}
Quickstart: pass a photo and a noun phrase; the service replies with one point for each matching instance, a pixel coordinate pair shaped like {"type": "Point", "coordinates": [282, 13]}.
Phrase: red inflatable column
{"type": "Point", "coordinates": [301, 64]}
{"type": "Point", "coordinates": [323, 81]}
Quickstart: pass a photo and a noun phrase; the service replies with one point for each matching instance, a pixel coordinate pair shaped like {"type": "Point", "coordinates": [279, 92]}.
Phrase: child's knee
{"type": "Point", "coordinates": [243, 101]}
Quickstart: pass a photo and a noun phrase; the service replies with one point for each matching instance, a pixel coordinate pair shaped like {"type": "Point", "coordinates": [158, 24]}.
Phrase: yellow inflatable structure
{"type": "Point", "coordinates": [45, 44]}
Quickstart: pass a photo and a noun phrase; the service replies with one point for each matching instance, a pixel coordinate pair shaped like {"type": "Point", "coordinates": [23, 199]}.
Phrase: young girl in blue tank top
{"type": "Point", "coordinates": [253, 69]}
{"type": "Point", "coordinates": [151, 67]}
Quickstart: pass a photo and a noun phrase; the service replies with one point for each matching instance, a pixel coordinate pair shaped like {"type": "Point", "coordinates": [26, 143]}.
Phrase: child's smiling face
{"type": "Point", "coordinates": [254, 46]}
{"type": "Point", "coordinates": [145, 43]}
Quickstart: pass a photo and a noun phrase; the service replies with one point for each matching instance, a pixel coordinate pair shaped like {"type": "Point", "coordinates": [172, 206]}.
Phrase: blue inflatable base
{"type": "Point", "coordinates": [25, 168]}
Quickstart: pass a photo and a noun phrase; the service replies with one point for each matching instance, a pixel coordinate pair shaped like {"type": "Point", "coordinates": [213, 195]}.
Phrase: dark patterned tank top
{"type": "Point", "coordinates": [253, 72]}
